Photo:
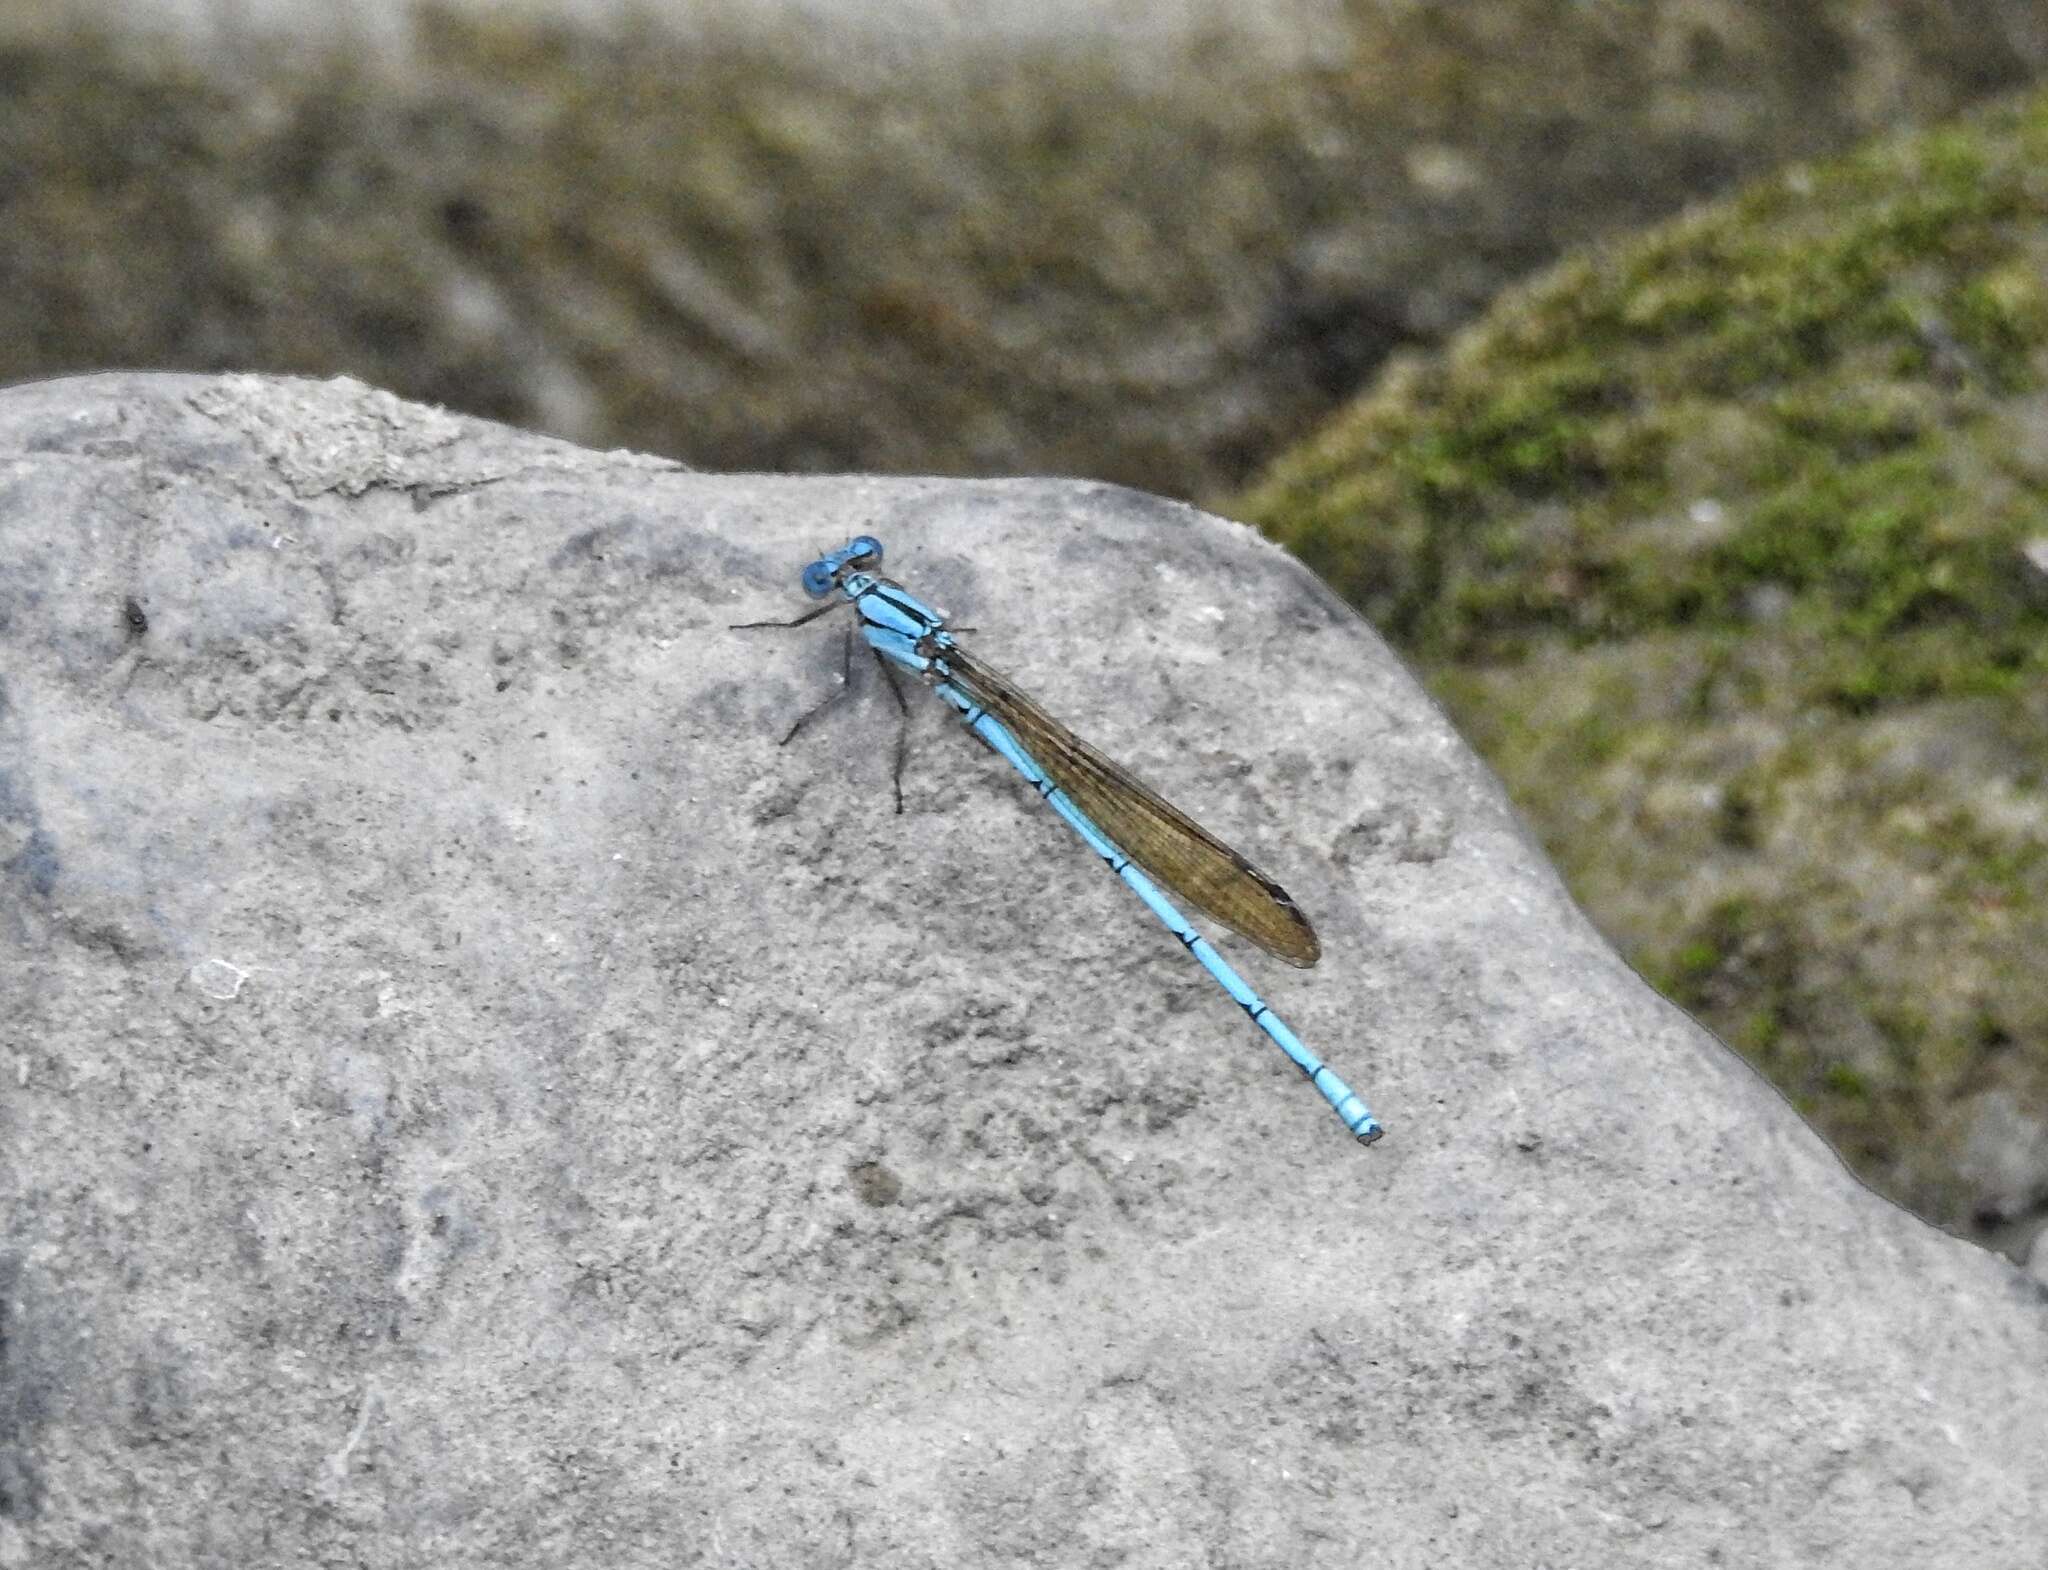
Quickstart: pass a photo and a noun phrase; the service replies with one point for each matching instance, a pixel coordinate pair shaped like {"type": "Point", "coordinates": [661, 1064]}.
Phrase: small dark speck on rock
{"type": "Point", "coordinates": [136, 617]}
{"type": "Point", "coordinates": [875, 1184]}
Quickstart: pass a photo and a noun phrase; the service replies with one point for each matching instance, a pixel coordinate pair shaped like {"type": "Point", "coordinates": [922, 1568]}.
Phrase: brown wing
{"type": "Point", "coordinates": [1182, 855]}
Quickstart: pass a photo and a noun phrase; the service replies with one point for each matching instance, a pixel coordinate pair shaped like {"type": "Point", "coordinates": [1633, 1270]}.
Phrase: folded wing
{"type": "Point", "coordinates": [1177, 851]}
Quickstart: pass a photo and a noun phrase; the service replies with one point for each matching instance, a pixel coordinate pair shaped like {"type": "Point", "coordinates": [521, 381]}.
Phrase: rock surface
{"type": "Point", "coordinates": [468, 1097]}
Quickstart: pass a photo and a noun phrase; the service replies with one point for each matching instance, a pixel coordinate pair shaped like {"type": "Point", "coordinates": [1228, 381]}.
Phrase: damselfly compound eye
{"type": "Point", "coordinates": [865, 553]}
{"type": "Point", "coordinates": [817, 580]}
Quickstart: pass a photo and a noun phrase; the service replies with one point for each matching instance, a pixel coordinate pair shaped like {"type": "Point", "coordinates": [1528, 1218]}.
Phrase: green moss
{"type": "Point", "coordinates": [1710, 540]}
{"type": "Point", "coordinates": [1760, 1033]}
{"type": "Point", "coordinates": [1840, 1079]}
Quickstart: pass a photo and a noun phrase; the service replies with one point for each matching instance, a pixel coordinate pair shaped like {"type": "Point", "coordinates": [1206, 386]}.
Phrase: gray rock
{"type": "Point", "coordinates": [468, 1097]}
{"type": "Point", "coordinates": [2034, 567]}
{"type": "Point", "coordinates": [2037, 1257]}
{"type": "Point", "coordinates": [2005, 1158]}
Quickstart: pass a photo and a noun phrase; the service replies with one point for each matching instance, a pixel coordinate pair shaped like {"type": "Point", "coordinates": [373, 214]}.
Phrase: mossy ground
{"type": "Point", "coordinates": [1033, 259]}
{"type": "Point", "coordinates": [1712, 543]}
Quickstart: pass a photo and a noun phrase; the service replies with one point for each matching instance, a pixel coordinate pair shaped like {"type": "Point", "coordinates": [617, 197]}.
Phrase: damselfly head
{"type": "Point", "coordinates": [863, 554]}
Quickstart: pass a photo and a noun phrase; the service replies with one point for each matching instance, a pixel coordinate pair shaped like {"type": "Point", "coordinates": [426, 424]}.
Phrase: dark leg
{"type": "Point", "coordinates": [902, 724]}
{"type": "Point", "coordinates": [845, 686]}
{"type": "Point", "coordinates": [808, 616]}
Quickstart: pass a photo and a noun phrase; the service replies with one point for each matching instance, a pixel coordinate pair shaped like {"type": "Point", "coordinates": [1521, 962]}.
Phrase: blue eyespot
{"type": "Point", "coordinates": [864, 552]}
{"type": "Point", "coordinates": [817, 580]}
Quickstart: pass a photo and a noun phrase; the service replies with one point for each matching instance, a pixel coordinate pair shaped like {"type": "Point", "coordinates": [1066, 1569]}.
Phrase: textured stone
{"type": "Point", "coordinates": [468, 1097]}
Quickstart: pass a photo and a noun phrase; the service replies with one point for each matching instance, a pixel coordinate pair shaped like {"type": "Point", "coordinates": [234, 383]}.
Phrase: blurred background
{"type": "Point", "coordinates": [1668, 379]}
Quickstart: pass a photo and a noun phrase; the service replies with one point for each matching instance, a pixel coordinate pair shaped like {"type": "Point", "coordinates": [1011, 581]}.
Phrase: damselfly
{"type": "Point", "coordinates": [1124, 822]}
